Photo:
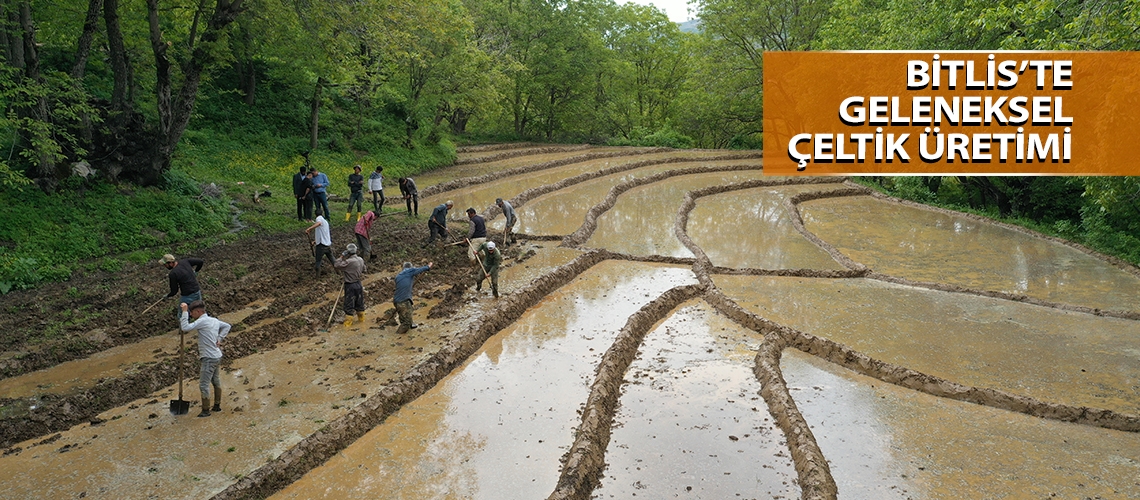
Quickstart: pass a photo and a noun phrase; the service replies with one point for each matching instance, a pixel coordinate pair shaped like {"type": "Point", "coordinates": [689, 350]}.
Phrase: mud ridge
{"type": "Point", "coordinates": [814, 475]}
{"type": "Point", "coordinates": [532, 193]}
{"type": "Point", "coordinates": [517, 152]}
{"type": "Point", "coordinates": [526, 169]}
{"type": "Point", "coordinates": [792, 206]}
{"type": "Point", "coordinates": [320, 446]}
{"type": "Point", "coordinates": [584, 462]}
{"type": "Point", "coordinates": [798, 273]}
{"type": "Point", "coordinates": [498, 146]}
{"type": "Point", "coordinates": [946, 287]}
{"type": "Point", "coordinates": [590, 224]}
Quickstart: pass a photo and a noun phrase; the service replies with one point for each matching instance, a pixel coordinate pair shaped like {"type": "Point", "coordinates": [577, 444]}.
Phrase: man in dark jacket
{"type": "Point", "coordinates": [307, 195]}
{"type": "Point", "coordinates": [183, 277]}
{"type": "Point", "coordinates": [437, 223]}
{"type": "Point", "coordinates": [355, 193]}
{"type": "Point", "coordinates": [403, 296]}
{"type": "Point", "coordinates": [299, 192]}
{"type": "Point", "coordinates": [411, 194]}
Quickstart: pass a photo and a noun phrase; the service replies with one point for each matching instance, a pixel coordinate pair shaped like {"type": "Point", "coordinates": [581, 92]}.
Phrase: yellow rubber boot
{"type": "Point", "coordinates": [348, 322]}
{"type": "Point", "coordinates": [358, 216]}
{"type": "Point", "coordinates": [347, 215]}
{"type": "Point", "coordinates": [360, 317]}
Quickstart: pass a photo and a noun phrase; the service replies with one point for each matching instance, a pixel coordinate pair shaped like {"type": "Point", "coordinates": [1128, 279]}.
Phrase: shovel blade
{"type": "Point", "coordinates": [179, 407]}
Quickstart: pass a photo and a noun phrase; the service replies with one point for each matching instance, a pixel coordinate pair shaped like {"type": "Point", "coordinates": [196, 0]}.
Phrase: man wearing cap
{"type": "Point", "coordinates": [411, 194]}
{"type": "Point", "coordinates": [320, 192]}
{"type": "Point", "coordinates": [322, 243]}
{"type": "Point", "coordinates": [355, 193]}
{"type": "Point", "coordinates": [211, 331]}
{"type": "Point", "coordinates": [437, 223]}
{"type": "Point", "coordinates": [509, 226]}
{"type": "Point", "coordinates": [376, 187]}
{"type": "Point", "coordinates": [403, 297]}
{"type": "Point", "coordinates": [353, 268]}
{"type": "Point", "coordinates": [476, 234]}
{"type": "Point", "coordinates": [183, 277]}
{"type": "Point", "coordinates": [490, 258]}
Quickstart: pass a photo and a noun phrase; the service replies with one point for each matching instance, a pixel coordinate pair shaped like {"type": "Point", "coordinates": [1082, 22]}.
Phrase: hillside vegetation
{"type": "Point", "coordinates": [157, 99]}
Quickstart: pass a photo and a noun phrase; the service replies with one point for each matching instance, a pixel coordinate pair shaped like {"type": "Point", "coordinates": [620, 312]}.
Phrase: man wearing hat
{"type": "Point", "coordinates": [352, 266]}
{"type": "Point", "coordinates": [403, 297]}
{"type": "Point", "coordinates": [183, 277]}
{"type": "Point", "coordinates": [490, 258]}
{"type": "Point", "coordinates": [355, 193]}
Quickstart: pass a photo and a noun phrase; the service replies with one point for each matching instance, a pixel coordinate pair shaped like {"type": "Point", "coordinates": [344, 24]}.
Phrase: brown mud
{"type": "Point", "coordinates": [515, 153]}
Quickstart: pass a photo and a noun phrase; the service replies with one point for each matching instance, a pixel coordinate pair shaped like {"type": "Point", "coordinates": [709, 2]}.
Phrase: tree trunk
{"type": "Point", "coordinates": [14, 41]}
{"type": "Point", "coordinates": [120, 65]}
{"type": "Point", "coordinates": [45, 159]}
{"type": "Point", "coordinates": [314, 115]}
{"type": "Point", "coordinates": [175, 111]}
{"type": "Point", "coordinates": [83, 49]}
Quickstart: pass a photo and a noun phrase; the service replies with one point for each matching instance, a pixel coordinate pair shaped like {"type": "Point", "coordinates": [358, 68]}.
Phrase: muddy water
{"type": "Point", "coordinates": [482, 196]}
{"type": "Point", "coordinates": [930, 246]}
{"type": "Point", "coordinates": [1052, 355]}
{"type": "Point", "coordinates": [641, 222]}
{"type": "Point", "coordinates": [84, 373]}
{"type": "Point", "coordinates": [271, 401]}
{"type": "Point", "coordinates": [886, 442]}
{"type": "Point", "coordinates": [751, 229]}
{"type": "Point", "coordinates": [691, 422]}
{"type": "Point", "coordinates": [561, 212]}
{"type": "Point", "coordinates": [496, 426]}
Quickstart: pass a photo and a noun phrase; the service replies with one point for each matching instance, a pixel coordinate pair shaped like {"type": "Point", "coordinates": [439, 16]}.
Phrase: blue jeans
{"type": "Point", "coordinates": [322, 201]}
{"type": "Point", "coordinates": [187, 299]}
{"type": "Point", "coordinates": [210, 375]}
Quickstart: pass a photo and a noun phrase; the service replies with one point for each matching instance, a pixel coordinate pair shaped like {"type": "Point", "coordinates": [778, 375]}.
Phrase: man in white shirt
{"type": "Point", "coordinates": [211, 331]}
{"type": "Point", "coordinates": [322, 243]}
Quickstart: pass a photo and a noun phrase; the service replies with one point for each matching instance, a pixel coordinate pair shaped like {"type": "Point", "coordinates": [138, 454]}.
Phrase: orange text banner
{"type": "Point", "coordinates": [951, 112]}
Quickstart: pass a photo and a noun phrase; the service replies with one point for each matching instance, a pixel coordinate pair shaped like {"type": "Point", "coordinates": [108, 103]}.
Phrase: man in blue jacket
{"type": "Point", "coordinates": [320, 192]}
{"type": "Point", "coordinates": [403, 297]}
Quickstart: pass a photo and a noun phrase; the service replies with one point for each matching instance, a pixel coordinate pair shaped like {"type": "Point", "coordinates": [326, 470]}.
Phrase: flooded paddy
{"type": "Point", "coordinates": [691, 422]}
{"type": "Point", "coordinates": [752, 229]}
{"type": "Point", "coordinates": [641, 223]}
{"type": "Point", "coordinates": [1052, 355]}
{"type": "Point", "coordinates": [496, 426]}
{"type": "Point", "coordinates": [883, 441]}
{"type": "Point", "coordinates": [925, 245]}
{"type": "Point", "coordinates": [554, 213]}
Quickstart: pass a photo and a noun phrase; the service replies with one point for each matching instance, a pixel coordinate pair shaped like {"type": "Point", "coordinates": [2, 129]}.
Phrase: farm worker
{"type": "Point", "coordinates": [490, 258]}
{"type": "Point", "coordinates": [353, 268]}
{"type": "Point", "coordinates": [508, 227]}
{"type": "Point", "coordinates": [211, 331]}
{"type": "Point", "coordinates": [411, 194]}
{"type": "Point", "coordinates": [437, 223]}
{"type": "Point", "coordinates": [320, 192]}
{"type": "Point", "coordinates": [299, 192]}
{"type": "Point", "coordinates": [403, 298]}
{"type": "Point", "coordinates": [376, 187]}
{"type": "Point", "coordinates": [363, 229]}
{"type": "Point", "coordinates": [322, 243]}
{"type": "Point", "coordinates": [476, 234]}
{"type": "Point", "coordinates": [355, 193]}
{"type": "Point", "coordinates": [183, 277]}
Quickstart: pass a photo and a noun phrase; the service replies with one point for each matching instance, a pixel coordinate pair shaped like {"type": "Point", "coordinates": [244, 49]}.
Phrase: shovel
{"type": "Point", "coordinates": [179, 406]}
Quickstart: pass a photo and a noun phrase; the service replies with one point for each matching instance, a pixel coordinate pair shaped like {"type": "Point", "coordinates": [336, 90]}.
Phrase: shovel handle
{"type": "Point", "coordinates": [181, 361]}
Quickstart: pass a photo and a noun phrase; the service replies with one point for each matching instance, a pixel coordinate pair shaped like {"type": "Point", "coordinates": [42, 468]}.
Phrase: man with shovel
{"type": "Point", "coordinates": [183, 277]}
{"type": "Point", "coordinates": [437, 223]}
{"type": "Point", "coordinates": [353, 268]}
{"type": "Point", "coordinates": [211, 331]}
{"type": "Point", "coordinates": [509, 225]}
{"type": "Point", "coordinates": [403, 297]}
{"type": "Point", "coordinates": [477, 234]}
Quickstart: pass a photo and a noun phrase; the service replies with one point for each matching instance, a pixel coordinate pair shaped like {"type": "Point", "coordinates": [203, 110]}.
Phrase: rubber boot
{"type": "Point", "coordinates": [347, 215]}
{"type": "Point", "coordinates": [360, 317]}
{"type": "Point", "coordinates": [495, 291]}
{"type": "Point", "coordinates": [347, 321]}
{"type": "Point", "coordinates": [217, 400]}
{"type": "Point", "coordinates": [357, 216]}
{"type": "Point", "coordinates": [205, 407]}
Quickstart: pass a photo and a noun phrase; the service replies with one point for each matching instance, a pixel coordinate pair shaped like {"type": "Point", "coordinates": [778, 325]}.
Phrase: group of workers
{"type": "Point", "coordinates": [310, 187]}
